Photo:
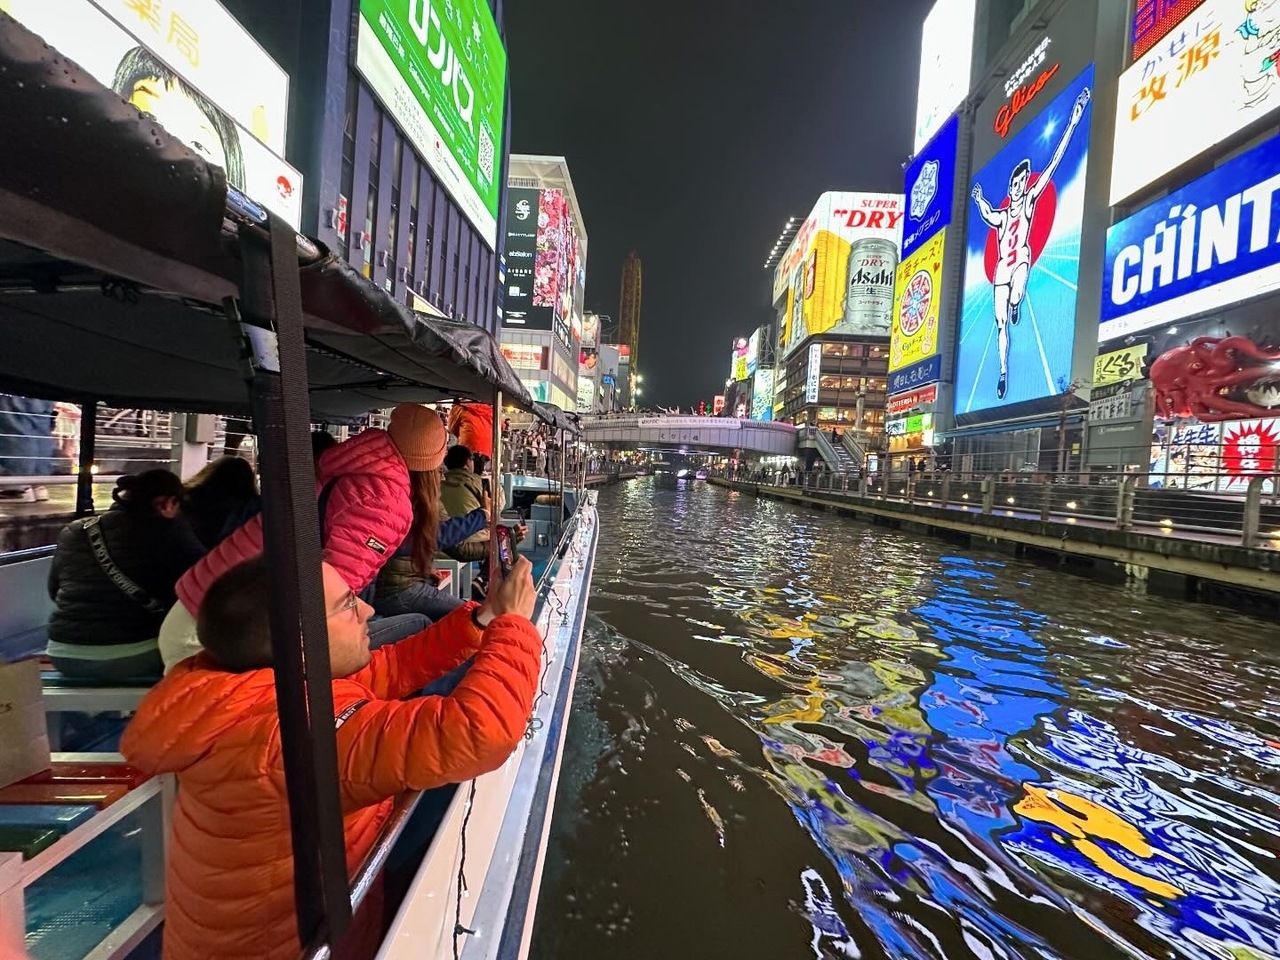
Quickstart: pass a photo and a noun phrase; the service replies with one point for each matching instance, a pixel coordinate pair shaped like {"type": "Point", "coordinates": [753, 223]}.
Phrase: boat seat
{"type": "Point", "coordinates": [70, 695]}
{"type": "Point", "coordinates": [64, 772]}
{"type": "Point", "coordinates": [24, 604]}
{"type": "Point", "coordinates": [46, 816]}
{"type": "Point", "coordinates": [97, 795]}
{"type": "Point", "coordinates": [27, 841]}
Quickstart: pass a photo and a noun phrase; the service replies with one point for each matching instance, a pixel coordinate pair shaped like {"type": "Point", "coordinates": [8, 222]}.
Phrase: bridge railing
{"type": "Point", "coordinates": [1249, 518]}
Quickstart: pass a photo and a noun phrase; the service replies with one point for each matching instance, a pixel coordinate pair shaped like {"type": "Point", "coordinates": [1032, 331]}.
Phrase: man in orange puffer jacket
{"type": "Point", "coordinates": [213, 722]}
{"type": "Point", "coordinates": [472, 424]}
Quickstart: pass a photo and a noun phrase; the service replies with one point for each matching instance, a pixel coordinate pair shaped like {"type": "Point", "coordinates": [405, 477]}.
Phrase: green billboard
{"type": "Point", "coordinates": [440, 70]}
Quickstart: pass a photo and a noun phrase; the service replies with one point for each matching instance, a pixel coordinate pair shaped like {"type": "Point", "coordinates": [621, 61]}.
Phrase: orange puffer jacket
{"type": "Point", "coordinates": [230, 871]}
{"type": "Point", "coordinates": [472, 424]}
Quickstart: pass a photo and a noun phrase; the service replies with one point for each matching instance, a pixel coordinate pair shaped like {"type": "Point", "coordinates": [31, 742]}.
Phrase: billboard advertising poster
{"type": "Point", "coordinates": [738, 366]}
{"type": "Point", "coordinates": [717, 405]}
{"type": "Point", "coordinates": [917, 302]}
{"type": "Point", "coordinates": [179, 63]}
{"type": "Point", "coordinates": [525, 356]}
{"type": "Point", "coordinates": [753, 354]}
{"type": "Point", "coordinates": [521, 250]}
{"type": "Point", "coordinates": [1210, 244]}
{"type": "Point", "coordinates": [1153, 19]}
{"type": "Point", "coordinates": [1046, 64]}
{"type": "Point", "coordinates": [1018, 316]}
{"type": "Point", "coordinates": [1219, 368]}
{"type": "Point", "coordinates": [586, 394]}
{"type": "Point", "coordinates": [910, 401]}
{"type": "Point", "coordinates": [762, 395]}
{"type": "Point", "coordinates": [590, 329]}
{"type": "Point", "coordinates": [813, 377]}
{"type": "Point", "coordinates": [440, 69]}
{"type": "Point", "coordinates": [930, 185]}
{"type": "Point", "coordinates": [844, 267]}
{"type": "Point", "coordinates": [1211, 76]}
{"type": "Point", "coordinates": [925, 372]}
{"type": "Point", "coordinates": [946, 61]}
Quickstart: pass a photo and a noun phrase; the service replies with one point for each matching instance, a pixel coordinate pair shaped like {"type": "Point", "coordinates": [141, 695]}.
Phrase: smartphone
{"type": "Point", "coordinates": [486, 487]}
{"type": "Point", "coordinates": [506, 551]}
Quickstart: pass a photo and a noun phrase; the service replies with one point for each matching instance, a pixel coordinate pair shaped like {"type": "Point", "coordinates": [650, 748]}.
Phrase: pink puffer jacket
{"type": "Point", "coordinates": [369, 514]}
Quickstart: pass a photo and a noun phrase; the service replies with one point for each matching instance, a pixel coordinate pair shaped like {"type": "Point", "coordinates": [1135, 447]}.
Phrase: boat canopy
{"type": "Point", "coordinates": [120, 250]}
{"type": "Point", "coordinates": [553, 416]}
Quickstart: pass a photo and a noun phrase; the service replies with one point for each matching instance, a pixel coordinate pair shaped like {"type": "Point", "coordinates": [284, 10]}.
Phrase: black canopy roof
{"type": "Point", "coordinates": [116, 254]}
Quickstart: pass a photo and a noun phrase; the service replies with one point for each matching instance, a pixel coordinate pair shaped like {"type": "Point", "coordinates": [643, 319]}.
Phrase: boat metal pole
{"type": "Point", "coordinates": [88, 448]}
{"type": "Point", "coordinates": [560, 514]}
{"type": "Point", "coordinates": [495, 465]}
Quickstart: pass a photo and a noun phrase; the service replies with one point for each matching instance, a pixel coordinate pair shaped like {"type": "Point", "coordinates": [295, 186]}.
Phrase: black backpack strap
{"type": "Point", "coordinates": [98, 544]}
{"type": "Point", "coordinates": [323, 505]}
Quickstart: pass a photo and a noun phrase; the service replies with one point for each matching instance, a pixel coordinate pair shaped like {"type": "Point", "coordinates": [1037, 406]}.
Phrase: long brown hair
{"type": "Point", "coordinates": [424, 487]}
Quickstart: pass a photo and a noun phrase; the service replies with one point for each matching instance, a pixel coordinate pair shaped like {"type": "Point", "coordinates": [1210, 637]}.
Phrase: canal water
{"type": "Point", "coordinates": [795, 735]}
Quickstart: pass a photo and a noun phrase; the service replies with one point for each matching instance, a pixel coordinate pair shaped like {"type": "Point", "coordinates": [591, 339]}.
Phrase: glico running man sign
{"type": "Point", "coordinates": [1017, 326]}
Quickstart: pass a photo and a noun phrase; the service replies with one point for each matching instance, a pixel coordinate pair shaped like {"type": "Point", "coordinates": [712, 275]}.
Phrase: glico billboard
{"type": "Point", "coordinates": [1022, 259]}
{"type": "Point", "coordinates": [838, 273]}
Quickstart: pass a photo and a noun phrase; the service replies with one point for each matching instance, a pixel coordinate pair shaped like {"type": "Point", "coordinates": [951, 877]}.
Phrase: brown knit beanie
{"type": "Point", "coordinates": [419, 436]}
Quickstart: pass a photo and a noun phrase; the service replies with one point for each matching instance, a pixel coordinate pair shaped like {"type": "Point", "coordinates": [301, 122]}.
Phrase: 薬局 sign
{"type": "Point", "coordinates": [909, 401]}
{"type": "Point", "coordinates": [917, 303]}
{"type": "Point", "coordinates": [946, 61]}
{"type": "Point", "coordinates": [813, 378]}
{"type": "Point", "coordinates": [930, 188]}
{"type": "Point", "coordinates": [191, 67]}
{"type": "Point", "coordinates": [1213, 243]}
{"type": "Point", "coordinates": [1212, 75]}
{"type": "Point", "coordinates": [440, 70]}
{"type": "Point", "coordinates": [1153, 19]}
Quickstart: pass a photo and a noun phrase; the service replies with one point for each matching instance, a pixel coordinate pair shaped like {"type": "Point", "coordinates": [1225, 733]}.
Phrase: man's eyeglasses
{"type": "Point", "coordinates": [349, 605]}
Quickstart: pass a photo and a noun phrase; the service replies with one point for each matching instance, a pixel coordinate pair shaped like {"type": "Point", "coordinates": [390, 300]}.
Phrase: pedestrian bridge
{"type": "Point", "coordinates": [696, 433]}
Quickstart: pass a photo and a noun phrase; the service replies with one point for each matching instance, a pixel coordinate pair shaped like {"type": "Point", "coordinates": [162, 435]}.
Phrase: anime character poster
{"type": "Point", "coordinates": [1017, 327]}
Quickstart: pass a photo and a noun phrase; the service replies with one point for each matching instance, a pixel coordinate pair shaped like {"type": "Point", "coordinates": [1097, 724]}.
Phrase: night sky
{"type": "Point", "coordinates": [693, 130]}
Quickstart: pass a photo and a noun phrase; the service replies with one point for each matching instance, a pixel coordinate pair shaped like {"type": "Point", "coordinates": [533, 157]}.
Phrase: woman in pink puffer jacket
{"type": "Point", "coordinates": [371, 482]}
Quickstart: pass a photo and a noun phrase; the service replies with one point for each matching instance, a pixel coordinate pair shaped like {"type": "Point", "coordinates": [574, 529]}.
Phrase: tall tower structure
{"type": "Point", "coordinates": [629, 305]}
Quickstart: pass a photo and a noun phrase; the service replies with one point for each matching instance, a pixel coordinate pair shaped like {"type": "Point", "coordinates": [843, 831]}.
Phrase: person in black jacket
{"type": "Point", "coordinates": [112, 581]}
{"type": "Point", "coordinates": [218, 498]}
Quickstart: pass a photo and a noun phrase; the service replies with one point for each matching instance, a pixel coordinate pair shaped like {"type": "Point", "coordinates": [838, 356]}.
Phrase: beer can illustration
{"type": "Point", "coordinates": [798, 328]}
{"type": "Point", "coordinates": [868, 304]}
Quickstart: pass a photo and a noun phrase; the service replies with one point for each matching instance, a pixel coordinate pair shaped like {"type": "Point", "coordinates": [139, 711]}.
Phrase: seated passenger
{"type": "Point", "coordinates": [407, 583]}
{"type": "Point", "coordinates": [461, 493]}
{"type": "Point", "coordinates": [219, 498]}
{"type": "Point", "coordinates": [366, 487]}
{"type": "Point", "coordinates": [213, 722]}
{"type": "Point", "coordinates": [112, 581]}
{"type": "Point", "coordinates": [322, 441]}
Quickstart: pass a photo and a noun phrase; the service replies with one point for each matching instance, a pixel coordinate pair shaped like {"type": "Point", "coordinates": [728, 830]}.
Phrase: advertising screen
{"type": "Point", "coordinates": [762, 396]}
{"type": "Point", "coordinates": [917, 302]}
{"type": "Point", "coordinates": [906, 402]}
{"type": "Point", "coordinates": [813, 376]}
{"type": "Point", "coordinates": [738, 365]}
{"type": "Point", "coordinates": [946, 59]}
{"type": "Point", "coordinates": [521, 250]}
{"type": "Point", "coordinates": [586, 394]}
{"type": "Point", "coordinates": [1017, 324]}
{"type": "Point", "coordinates": [525, 356]}
{"type": "Point", "coordinates": [440, 69]}
{"type": "Point", "coordinates": [544, 267]}
{"type": "Point", "coordinates": [844, 267]}
{"type": "Point", "coordinates": [1210, 244]}
{"type": "Point", "coordinates": [590, 329]}
{"type": "Point", "coordinates": [1212, 75]}
{"type": "Point", "coordinates": [753, 354]}
{"type": "Point", "coordinates": [1153, 19]}
{"type": "Point", "coordinates": [188, 64]}
{"type": "Point", "coordinates": [930, 184]}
